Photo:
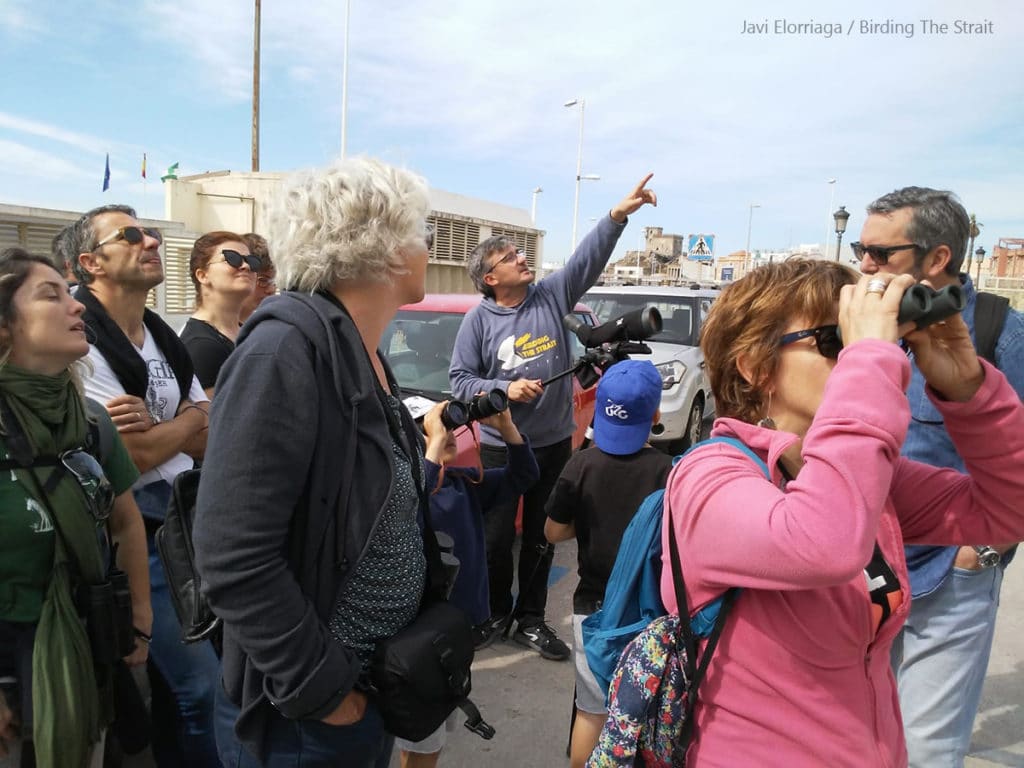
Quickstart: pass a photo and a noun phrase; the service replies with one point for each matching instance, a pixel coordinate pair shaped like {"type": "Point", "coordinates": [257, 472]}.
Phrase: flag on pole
{"type": "Point", "coordinates": [143, 165]}
{"type": "Point", "coordinates": [106, 174]}
{"type": "Point", "coordinates": [172, 172]}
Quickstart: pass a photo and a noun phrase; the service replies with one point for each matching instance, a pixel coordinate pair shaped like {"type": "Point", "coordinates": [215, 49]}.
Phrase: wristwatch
{"type": "Point", "coordinates": [987, 557]}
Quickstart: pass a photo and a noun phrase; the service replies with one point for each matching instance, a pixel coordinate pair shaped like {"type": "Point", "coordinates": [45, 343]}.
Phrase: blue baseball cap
{"type": "Point", "coordinates": [627, 396]}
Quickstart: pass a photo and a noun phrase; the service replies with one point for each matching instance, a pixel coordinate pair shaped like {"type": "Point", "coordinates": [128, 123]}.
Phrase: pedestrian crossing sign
{"type": "Point", "coordinates": [701, 248]}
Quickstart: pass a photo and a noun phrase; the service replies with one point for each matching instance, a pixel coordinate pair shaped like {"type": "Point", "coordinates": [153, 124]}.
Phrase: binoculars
{"type": "Point", "coordinates": [107, 610]}
{"type": "Point", "coordinates": [923, 305]}
{"type": "Point", "coordinates": [458, 413]}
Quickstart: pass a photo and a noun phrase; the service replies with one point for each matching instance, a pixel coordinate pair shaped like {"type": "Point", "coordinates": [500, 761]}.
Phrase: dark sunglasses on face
{"type": "Point", "coordinates": [99, 494]}
{"type": "Point", "coordinates": [132, 235]}
{"type": "Point", "coordinates": [880, 253]}
{"type": "Point", "coordinates": [826, 339]}
{"type": "Point", "coordinates": [234, 260]}
{"type": "Point", "coordinates": [507, 258]}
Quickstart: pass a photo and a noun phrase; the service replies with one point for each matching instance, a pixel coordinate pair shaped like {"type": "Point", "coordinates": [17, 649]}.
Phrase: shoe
{"type": "Point", "coordinates": [543, 640]}
{"type": "Point", "coordinates": [486, 633]}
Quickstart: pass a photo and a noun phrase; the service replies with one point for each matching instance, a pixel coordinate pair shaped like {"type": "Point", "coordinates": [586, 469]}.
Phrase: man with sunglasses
{"type": "Point", "coordinates": [143, 374]}
{"type": "Point", "coordinates": [514, 340]}
{"type": "Point", "coordinates": [941, 657]}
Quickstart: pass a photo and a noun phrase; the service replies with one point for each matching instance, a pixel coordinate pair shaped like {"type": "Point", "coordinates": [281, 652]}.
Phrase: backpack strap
{"type": "Point", "coordinates": [990, 312]}
{"type": "Point", "coordinates": [101, 435]}
{"type": "Point", "coordinates": [695, 670]}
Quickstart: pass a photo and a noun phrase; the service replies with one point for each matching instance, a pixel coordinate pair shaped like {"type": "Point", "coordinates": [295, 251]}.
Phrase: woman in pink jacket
{"type": "Point", "coordinates": [801, 676]}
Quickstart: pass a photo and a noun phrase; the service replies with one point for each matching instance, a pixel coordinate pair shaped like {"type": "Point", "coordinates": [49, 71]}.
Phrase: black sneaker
{"type": "Point", "coordinates": [486, 633]}
{"type": "Point", "coordinates": [543, 640]}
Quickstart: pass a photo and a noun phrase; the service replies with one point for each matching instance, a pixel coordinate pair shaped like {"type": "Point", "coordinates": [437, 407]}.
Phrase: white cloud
{"type": "Point", "coordinates": [83, 141]}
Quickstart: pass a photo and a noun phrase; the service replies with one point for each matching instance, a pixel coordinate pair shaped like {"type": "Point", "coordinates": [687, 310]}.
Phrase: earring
{"type": "Point", "coordinates": [767, 422]}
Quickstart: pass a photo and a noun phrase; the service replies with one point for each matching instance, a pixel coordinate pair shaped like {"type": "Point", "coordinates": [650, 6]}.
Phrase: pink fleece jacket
{"type": "Point", "coordinates": [799, 677]}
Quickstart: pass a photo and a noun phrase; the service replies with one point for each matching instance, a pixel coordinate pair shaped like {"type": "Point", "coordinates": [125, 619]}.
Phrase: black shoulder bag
{"type": "Point", "coordinates": [421, 674]}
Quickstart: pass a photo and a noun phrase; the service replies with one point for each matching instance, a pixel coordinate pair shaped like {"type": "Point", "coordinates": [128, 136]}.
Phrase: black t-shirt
{"type": "Point", "coordinates": [208, 348]}
{"type": "Point", "coordinates": [600, 493]}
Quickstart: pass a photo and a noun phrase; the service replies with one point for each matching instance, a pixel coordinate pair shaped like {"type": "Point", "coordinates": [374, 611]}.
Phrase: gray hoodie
{"type": "Point", "coordinates": [497, 345]}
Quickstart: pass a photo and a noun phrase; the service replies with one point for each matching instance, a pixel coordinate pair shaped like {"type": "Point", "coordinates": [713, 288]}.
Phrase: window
{"type": "Point", "coordinates": [453, 239]}
{"type": "Point", "coordinates": [419, 347]}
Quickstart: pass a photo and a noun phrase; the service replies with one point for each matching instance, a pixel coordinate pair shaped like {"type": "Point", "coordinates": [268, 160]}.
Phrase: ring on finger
{"type": "Point", "coordinates": [876, 286]}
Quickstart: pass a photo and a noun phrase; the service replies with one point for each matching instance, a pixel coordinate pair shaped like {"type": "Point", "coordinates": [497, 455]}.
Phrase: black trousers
{"type": "Point", "coordinates": [534, 556]}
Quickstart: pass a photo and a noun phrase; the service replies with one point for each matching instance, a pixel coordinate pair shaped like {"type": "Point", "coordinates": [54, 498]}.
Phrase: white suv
{"type": "Point", "coordinates": [686, 394]}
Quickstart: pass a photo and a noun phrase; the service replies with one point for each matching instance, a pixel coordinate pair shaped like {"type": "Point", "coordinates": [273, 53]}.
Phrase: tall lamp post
{"type": "Point", "coordinates": [579, 168]}
{"type": "Point", "coordinates": [831, 202]}
{"type": "Point", "coordinates": [841, 216]}
{"type": "Point", "coordinates": [533, 205]}
{"type": "Point", "coordinates": [980, 254]}
{"type": "Point", "coordinates": [750, 224]}
{"type": "Point", "coordinates": [344, 84]}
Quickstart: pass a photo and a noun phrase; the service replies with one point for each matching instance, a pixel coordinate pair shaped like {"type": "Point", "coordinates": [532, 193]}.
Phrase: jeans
{"type": "Point", "coordinates": [535, 555]}
{"type": "Point", "coordinates": [190, 672]}
{"type": "Point", "coordinates": [305, 743]}
{"type": "Point", "coordinates": [940, 660]}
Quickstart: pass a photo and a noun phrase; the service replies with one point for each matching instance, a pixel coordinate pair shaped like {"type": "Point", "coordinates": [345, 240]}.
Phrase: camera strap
{"type": "Point", "coordinates": [22, 459]}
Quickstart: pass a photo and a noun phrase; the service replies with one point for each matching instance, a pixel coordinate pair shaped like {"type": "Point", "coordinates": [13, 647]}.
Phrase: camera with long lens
{"type": "Point", "coordinates": [458, 413]}
{"type": "Point", "coordinates": [609, 342]}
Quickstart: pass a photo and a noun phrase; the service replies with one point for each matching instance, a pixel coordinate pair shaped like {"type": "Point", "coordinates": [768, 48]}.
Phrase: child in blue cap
{"type": "Point", "coordinates": [594, 499]}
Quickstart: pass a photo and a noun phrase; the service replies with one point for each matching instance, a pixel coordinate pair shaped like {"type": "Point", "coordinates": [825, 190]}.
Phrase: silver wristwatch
{"type": "Point", "coordinates": [987, 557]}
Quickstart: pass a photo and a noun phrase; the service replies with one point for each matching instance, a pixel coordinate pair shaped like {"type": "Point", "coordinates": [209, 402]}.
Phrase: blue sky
{"type": "Point", "coordinates": [469, 93]}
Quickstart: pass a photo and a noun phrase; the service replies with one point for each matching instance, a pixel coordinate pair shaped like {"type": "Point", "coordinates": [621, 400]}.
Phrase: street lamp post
{"type": "Point", "coordinates": [980, 254]}
{"type": "Point", "coordinates": [841, 216]}
{"type": "Point", "coordinates": [533, 206]}
{"type": "Point", "coordinates": [580, 176]}
{"type": "Point", "coordinates": [344, 84]}
{"type": "Point", "coordinates": [831, 202]}
{"type": "Point", "coordinates": [750, 224]}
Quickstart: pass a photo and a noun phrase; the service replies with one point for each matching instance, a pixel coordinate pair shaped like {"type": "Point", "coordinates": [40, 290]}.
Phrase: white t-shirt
{"type": "Point", "coordinates": [162, 398]}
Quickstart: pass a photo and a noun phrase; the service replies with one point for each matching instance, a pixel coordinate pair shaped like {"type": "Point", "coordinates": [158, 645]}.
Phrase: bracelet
{"type": "Point", "coordinates": [147, 639]}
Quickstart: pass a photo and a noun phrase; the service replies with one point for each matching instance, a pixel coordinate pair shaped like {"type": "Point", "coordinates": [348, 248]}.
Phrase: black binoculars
{"type": "Point", "coordinates": [924, 305]}
{"type": "Point", "coordinates": [107, 610]}
{"type": "Point", "coordinates": [458, 413]}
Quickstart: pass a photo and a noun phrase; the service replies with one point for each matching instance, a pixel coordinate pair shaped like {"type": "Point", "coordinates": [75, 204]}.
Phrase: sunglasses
{"type": "Point", "coordinates": [99, 494]}
{"type": "Point", "coordinates": [132, 235]}
{"type": "Point", "coordinates": [826, 339]}
{"type": "Point", "coordinates": [880, 253]}
{"type": "Point", "coordinates": [234, 260]}
{"type": "Point", "coordinates": [507, 259]}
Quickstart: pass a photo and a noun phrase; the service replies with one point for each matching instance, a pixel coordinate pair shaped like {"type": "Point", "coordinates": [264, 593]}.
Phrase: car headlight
{"type": "Point", "coordinates": [671, 373]}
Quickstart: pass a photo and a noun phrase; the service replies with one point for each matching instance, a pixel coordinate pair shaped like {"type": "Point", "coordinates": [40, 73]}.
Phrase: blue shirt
{"type": "Point", "coordinates": [927, 440]}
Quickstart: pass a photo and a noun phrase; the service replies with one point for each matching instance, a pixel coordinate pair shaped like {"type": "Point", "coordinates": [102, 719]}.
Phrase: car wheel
{"type": "Point", "coordinates": [694, 424]}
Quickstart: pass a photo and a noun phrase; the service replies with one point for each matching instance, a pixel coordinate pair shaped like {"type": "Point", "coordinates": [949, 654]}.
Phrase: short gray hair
{"type": "Point", "coordinates": [345, 222]}
{"type": "Point", "coordinates": [82, 237]}
{"type": "Point", "coordinates": [938, 219]}
{"type": "Point", "coordinates": [477, 264]}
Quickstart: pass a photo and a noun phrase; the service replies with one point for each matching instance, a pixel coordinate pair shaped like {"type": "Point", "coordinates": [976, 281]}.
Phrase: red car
{"type": "Point", "coordinates": [419, 342]}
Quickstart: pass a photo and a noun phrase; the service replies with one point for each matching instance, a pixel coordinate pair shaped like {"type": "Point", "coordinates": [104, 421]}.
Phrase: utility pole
{"type": "Point", "coordinates": [256, 90]}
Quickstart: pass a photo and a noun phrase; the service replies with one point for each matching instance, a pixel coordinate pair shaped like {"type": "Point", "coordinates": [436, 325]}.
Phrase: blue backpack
{"type": "Point", "coordinates": [632, 599]}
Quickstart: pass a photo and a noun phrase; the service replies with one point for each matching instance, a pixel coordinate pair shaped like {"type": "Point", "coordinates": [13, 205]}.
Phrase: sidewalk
{"type": "Point", "coordinates": [528, 699]}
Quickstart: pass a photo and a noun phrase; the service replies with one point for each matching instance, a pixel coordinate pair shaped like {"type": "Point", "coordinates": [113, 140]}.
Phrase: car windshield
{"type": "Point", "coordinates": [418, 345]}
{"type": "Point", "coordinates": [681, 316]}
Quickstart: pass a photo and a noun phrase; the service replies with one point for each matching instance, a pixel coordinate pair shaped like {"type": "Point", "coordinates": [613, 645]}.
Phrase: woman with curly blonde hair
{"type": "Point", "coordinates": [306, 530]}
